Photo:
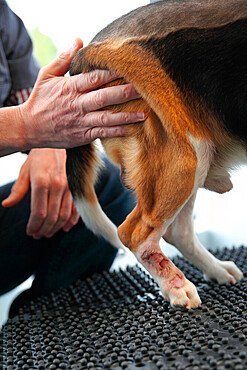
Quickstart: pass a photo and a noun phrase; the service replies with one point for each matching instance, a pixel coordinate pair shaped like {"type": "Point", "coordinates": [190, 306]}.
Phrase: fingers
{"type": "Point", "coordinates": [105, 124]}
{"type": "Point", "coordinates": [39, 207]}
{"type": "Point", "coordinates": [66, 215]}
{"type": "Point", "coordinates": [92, 80]}
{"type": "Point", "coordinates": [61, 64]}
{"type": "Point", "coordinates": [52, 212]}
{"type": "Point", "coordinates": [74, 218]}
{"type": "Point", "coordinates": [53, 208]}
{"type": "Point", "coordinates": [106, 118]}
{"type": "Point", "coordinates": [45, 206]}
{"type": "Point", "coordinates": [104, 132]}
{"type": "Point", "coordinates": [95, 100]}
{"type": "Point", "coordinates": [19, 189]}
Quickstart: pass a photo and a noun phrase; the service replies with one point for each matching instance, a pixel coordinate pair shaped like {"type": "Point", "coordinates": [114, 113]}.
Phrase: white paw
{"type": "Point", "coordinates": [185, 296]}
{"type": "Point", "coordinates": [224, 272]}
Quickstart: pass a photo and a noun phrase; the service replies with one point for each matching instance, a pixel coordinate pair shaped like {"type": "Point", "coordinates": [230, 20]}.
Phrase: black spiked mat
{"type": "Point", "coordinates": [119, 320]}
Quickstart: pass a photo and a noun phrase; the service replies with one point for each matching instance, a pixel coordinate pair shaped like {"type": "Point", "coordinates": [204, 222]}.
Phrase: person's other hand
{"type": "Point", "coordinates": [64, 112]}
{"type": "Point", "coordinates": [52, 206]}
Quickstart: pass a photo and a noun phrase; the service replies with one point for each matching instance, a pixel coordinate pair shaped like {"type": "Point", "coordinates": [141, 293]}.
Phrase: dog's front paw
{"type": "Point", "coordinates": [181, 293]}
{"type": "Point", "coordinates": [224, 272]}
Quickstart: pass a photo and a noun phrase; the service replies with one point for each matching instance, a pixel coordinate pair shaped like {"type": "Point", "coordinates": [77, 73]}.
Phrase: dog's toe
{"type": "Point", "coordinates": [224, 272]}
{"type": "Point", "coordinates": [232, 269]}
{"type": "Point", "coordinates": [184, 297]}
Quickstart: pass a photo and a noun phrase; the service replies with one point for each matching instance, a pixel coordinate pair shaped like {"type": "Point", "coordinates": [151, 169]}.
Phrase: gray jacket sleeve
{"type": "Point", "coordinates": [18, 67]}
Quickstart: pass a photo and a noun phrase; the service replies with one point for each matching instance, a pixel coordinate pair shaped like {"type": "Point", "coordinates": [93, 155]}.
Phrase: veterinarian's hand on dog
{"type": "Point", "coordinates": [52, 206]}
{"type": "Point", "coordinates": [65, 112]}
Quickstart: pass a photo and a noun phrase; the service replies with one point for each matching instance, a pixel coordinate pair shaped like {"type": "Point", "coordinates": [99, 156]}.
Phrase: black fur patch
{"type": "Point", "coordinates": [79, 161]}
{"type": "Point", "coordinates": [212, 63]}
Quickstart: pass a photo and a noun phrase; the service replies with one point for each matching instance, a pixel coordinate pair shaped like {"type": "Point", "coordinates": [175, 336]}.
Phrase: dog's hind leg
{"type": "Point", "coordinates": [172, 282]}
{"type": "Point", "coordinates": [181, 234]}
{"type": "Point", "coordinates": [159, 199]}
{"type": "Point", "coordinates": [174, 286]}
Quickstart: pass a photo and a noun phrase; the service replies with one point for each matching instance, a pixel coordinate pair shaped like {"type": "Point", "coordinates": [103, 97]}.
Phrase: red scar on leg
{"type": "Point", "coordinates": [157, 260]}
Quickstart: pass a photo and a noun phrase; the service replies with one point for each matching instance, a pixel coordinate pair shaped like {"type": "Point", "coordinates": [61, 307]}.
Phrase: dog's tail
{"type": "Point", "coordinates": [82, 166]}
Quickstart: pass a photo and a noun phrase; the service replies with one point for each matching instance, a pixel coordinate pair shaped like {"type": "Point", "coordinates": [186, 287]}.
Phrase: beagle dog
{"type": "Point", "coordinates": [188, 60]}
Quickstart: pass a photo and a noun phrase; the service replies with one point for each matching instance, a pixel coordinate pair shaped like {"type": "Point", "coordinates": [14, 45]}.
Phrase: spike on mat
{"type": "Point", "coordinates": [119, 320]}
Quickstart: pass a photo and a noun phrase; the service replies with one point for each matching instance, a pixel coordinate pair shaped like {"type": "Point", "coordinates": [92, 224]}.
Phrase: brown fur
{"type": "Point", "coordinates": [157, 158]}
{"type": "Point", "coordinates": [158, 150]}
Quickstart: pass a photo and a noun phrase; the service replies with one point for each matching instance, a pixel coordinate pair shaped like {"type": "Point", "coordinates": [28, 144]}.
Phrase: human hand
{"type": "Point", "coordinates": [64, 112]}
{"type": "Point", "coordinates": [52, 206]}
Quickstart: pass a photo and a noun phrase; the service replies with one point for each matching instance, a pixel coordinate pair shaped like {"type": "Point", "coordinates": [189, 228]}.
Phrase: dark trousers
{"type": "Point", "coordinates": [59, 261]}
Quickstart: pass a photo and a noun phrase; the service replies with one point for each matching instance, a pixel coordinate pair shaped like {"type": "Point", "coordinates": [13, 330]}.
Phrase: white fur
{"type": "Point", "coordinates": [204, 152]}
{"type": "Point", "coordinates": [181, 233]}
{"type": "Point", "coordinates": [214, 165]}
{"type": "Point", "coordinates": [96, 220]}
{"type": "Point", "coordinates": [183, 237]}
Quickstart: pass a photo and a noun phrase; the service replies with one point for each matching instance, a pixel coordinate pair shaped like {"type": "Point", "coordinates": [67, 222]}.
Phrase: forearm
{"type": "Point", "coordinates": [13, 135]}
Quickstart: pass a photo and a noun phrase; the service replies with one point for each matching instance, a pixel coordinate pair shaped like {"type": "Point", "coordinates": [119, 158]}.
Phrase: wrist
{"type": "Point", "coordinates": [31, 140]}
{"type": "Point", "coordinates": [36, 130]}
{"type": "Point", "coordinates": [12, 131]}
{"type": "Point", "coordinates": [23, 130]}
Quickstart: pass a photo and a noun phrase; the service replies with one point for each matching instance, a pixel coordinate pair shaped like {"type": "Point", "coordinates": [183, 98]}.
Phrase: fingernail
{"type": "Point", "coordinates": [114, 74]}
{"type": "Point", "coordinates": [140, 116]}
{"type": "Point", "coordinates": [72, 48]}
{"type": "Point", "coordinates": [123, 132]}
{"type": "Point", "coordinates": [74, 45]}
{"type": "Point", "coordinates": [135, 92]}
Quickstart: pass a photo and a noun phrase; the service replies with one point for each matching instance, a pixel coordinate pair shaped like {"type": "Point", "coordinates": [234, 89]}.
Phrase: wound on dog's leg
{"type": "Point", "coordinates": [159, 263]}
{"type": "Point", "coordinates": [157, 260]}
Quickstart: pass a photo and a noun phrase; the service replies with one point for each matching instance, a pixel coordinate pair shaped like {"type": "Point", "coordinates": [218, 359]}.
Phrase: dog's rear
{"type": "Point", "coordinates": [175, 54]}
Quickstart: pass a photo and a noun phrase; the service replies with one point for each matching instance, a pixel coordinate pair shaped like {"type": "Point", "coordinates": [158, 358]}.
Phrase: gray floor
{"type": "Point", "coordinates": [220, 220]}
